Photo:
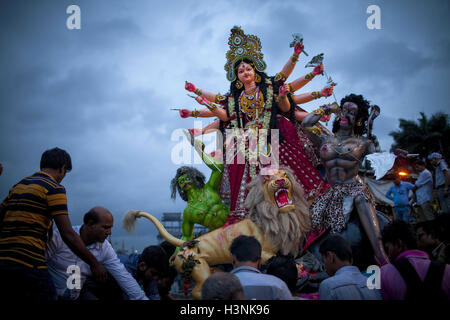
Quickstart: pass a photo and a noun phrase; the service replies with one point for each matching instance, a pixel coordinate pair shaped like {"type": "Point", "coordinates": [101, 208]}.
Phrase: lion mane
{"type": "Point", "coordinates": [286, 230]}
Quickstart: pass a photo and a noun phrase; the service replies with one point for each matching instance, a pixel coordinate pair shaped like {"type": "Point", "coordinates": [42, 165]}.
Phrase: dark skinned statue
{"type": "Point", "coordinates": [346, 207]}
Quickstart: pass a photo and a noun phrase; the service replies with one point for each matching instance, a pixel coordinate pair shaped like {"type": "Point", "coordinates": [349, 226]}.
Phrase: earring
{"type": "Point", "coordinates": [257, 78]}
{"type": "Point", "coordinates": [238, 84]}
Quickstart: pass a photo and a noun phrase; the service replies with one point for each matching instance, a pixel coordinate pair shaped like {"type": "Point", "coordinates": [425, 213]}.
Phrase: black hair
{"type": "Point", "coordinates": [337, 245]}
{"type": "Point", "coordinates": [198, 181]}
{"type": "Point", "coordinates": [246, 248]}
{"type": "Point", "coordinates": [361, 116]}
{"type": "Point", "coordinates": [168, 247]}
{"type": "Point", "coordinates": [420, 162]}
{"type": "Point", "coordinates": [156, 257]}
{"type": "Point", "coordinates": [399, 230]}
{"type": "Point", "coordinates": [91, 215]}
{"type": "Point", "coordinates": [221, 286]}
{"type": "Point", "coordinates": [429, 227]}
{"type": "Point", "coordinates": [56, 158]}
{"type": "Point", "coordinates": [284, 267]}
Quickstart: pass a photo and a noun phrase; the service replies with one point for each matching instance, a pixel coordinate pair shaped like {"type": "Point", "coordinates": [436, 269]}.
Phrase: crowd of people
{"type": "Point", "coordinates": [69, 262]}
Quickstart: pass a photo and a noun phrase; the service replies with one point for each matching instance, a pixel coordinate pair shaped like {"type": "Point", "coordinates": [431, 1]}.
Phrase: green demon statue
{"type": "Point", "coordinates": [204, 205]}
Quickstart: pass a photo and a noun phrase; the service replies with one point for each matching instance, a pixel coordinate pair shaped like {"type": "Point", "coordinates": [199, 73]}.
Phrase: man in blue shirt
{"type": "Point", "coordinates": [399, 193]}
{"type": "Point", "coordinates": [246, 260]}
{"type": "Point", "coordinates": [346, 281]}
{"type": "Point", "coordinates": [442, 181]}
{"type": "Point", "coordinates": [424, 192]}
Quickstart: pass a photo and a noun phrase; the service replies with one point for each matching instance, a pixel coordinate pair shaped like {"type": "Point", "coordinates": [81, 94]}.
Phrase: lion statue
{"type": "Point", "coordinates": [278, 218]}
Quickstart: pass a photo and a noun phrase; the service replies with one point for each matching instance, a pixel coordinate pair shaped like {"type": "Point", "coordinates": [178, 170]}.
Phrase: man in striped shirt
{"type": "Point", "coordinates": [26, 217]}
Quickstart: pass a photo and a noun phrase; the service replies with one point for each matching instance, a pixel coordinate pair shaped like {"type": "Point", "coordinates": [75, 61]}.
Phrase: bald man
{"type": "Point", "coordinates": [69, 273]}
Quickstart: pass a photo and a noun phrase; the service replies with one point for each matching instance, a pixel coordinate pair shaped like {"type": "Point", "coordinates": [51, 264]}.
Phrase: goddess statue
{"type": "Point", "coordinates": [258, 102]}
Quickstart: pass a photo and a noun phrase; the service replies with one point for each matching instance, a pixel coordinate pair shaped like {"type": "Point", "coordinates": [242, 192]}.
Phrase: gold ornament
{"type": "Point", "coordinates": [257, 78]}
{"type": "Point", "coordinates": [310, 75]}
{"type": "Point", "coordinates": [316, 94]}
{"type": "Point", "coordinates": [239, 84]}
{"type": "Point", "coordinates": [219, 98]}
{"type": "Point", "coordinates": [280, 77]}
{"type": "Point", "coordinates": [198, 92]}
{"type": "Point", "coordinates": [243, 46]}
{"type": "Point", "coordinates": [195, 113]}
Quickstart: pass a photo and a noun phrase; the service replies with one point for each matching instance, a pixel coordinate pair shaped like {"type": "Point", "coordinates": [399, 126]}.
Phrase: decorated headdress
{"type": "Point", "coordinates": [243, 46]}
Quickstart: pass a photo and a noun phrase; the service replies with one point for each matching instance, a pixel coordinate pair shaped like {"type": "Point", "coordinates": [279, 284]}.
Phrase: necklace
{"type": "Point", "coordinates": [340, 143]}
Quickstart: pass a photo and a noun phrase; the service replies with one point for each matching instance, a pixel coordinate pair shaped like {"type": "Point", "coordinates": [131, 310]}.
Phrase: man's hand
{"type": "Point", "coordinates": [189, 86]}
{"type": "Point", "coordinates": [99, 272]}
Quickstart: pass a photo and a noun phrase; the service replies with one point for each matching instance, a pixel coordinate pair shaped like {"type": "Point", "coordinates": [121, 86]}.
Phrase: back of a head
{"type": "Point", "coordinates": [221, 286]}
{"type": "Point", "coordinates": [337, 245]}
{"type": "Point", "coordinates": [156, 257]}
{"type": "Point", "coordinates": [56, 158]}
{"type": "Point", "coordinates": [246, 248]}
{"type": "Point", "coordinates": [400, 230]}
{"type": "Point", "coordinates": [284, 268]}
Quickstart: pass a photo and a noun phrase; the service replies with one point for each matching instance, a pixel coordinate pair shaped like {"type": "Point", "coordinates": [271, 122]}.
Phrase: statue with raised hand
{"type": "Point", "coordinates": [204, 205]}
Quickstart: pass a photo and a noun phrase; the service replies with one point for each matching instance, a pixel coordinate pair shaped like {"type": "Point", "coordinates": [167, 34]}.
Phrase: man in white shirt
{"type": "Point", "coordinates": [423, 191]}
{"type": "Point", "coordinates": [442, 181]}
{"type": "Point", "coordinates": [64, 266]}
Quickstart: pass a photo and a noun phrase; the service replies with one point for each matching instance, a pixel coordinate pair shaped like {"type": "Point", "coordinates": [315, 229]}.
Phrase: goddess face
{"type": "Point", "coordinates": [246, 73]}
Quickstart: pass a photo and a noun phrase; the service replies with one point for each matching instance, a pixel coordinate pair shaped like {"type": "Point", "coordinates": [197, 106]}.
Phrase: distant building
{"type": "Point", "coordinates": [172, 221]}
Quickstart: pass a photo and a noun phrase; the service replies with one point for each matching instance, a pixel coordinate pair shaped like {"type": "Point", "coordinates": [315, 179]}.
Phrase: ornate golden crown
{"type": "Point", "coordinates": [243, 46]}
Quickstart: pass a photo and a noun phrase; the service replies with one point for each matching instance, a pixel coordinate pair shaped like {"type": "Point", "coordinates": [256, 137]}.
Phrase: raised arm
{"type": "Point", "coordinates": [210, 96]}
{"type": "Point", "coordinates": [310, 121]}
{"type": "Point", "coordinates": [290, 64]}
{"type": "Point", "coordinates": [300, 82]}
{"type": "Point", "coordinates": [213, 126]}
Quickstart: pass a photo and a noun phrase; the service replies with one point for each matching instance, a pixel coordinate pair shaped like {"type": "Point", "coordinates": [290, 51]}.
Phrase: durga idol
{"type": "Point", "coordinates": [257, 102]}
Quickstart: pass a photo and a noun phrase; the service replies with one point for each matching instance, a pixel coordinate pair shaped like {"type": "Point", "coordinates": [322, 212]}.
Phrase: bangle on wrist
{"type": "Point", "coordinates": [294, 57]}
{"type": "Point", "coordinates": [310, 75]}
{"type": "Point", "coordinates": [314, 130]}
{"type": "Point", "coordinates": [316, 94]}
{"type": "Point", "coordinates": [319, 111]}
{"type": "Point", "coordinates": [198, 92]}
{"type": "Point", "coordinates": [195, 113]}
{"type": "Point", "coordinates": [219, 98]}
{"type": "Point", "coordinates": [280, 77]}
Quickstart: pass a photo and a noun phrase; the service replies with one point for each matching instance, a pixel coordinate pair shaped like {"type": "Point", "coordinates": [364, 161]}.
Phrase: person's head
{"type": "Point", "coordinates": [397, 180]}
{"type": "Point", "coordinates": [152, 263]}
{"type": "Point", "coordinates": [434, 158]}
{"type": "Point", "coordinates": [354, 114]}
{"type": "Point", "coordinates": [187, 178]}
{"type": "Point", "coordinates": [336, 253]}
{"type": "Point", "coordinates": [97, 225]}
{"type": "Point", "coordinates": [222, 286]}
{"type": "Point", "coordinates": [419, 165]}
{"type": "Point", "coordinates": [57, 161]}
{"type": "Point", "coordinates": [245, 72]}
{"type": "Point", "coordinates": [284, 267]}
{"type": "Point", "coordinates": [246, 250]}
{"type": "Point", "coordinates": [427, 235]}
{"type": "Point", "coordinates": [398, 236]}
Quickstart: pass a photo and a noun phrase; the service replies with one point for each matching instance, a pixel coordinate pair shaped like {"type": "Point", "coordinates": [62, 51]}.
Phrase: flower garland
{"type": "Point", "coordinates": [266, 113]}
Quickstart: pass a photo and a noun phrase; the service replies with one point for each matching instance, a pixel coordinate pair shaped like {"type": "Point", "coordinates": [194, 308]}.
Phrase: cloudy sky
{"type": "Point", "coordinates": [104, 92]}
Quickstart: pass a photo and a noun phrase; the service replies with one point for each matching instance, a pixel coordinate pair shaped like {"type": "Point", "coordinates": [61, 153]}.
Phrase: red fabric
{"type": "Point", "coordinates": [292, 155]}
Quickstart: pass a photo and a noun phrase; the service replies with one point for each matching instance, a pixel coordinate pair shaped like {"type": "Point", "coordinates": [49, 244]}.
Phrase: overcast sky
{"type": "Point", "coordinates": [104, 92]}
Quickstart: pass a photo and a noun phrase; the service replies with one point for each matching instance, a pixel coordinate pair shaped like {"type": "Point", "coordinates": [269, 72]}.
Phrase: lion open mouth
{"type": "Point", "coordinates": [282, 197]}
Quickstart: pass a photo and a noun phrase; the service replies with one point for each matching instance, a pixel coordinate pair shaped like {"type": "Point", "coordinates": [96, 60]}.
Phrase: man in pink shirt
{"type": "Point", "coordinates": [407, 276]}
